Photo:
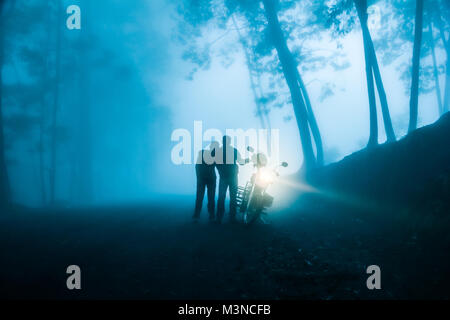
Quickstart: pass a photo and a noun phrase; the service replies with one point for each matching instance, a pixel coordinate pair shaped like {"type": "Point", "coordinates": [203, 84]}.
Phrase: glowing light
{"type": "Point", "coordinates": [299, 186]}
{"type": "Point", "coordinates": [366, 203]}
{"type": "Point", "coordinates": [265, 177]}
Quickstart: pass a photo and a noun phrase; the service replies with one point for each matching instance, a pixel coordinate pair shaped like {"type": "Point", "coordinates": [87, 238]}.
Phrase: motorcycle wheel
{"type": "Point", "coordinates": [251, 216]}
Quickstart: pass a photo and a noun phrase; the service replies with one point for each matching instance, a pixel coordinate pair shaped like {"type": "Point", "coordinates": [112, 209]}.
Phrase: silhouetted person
{"type": "Point", "coordinates": [228, 159]}
{"type": "Point", "coordinates": [206, 179]}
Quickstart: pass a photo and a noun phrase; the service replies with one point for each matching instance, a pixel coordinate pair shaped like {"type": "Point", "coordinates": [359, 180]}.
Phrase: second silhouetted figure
{"type": "Point", "coordinates": [227, 159]}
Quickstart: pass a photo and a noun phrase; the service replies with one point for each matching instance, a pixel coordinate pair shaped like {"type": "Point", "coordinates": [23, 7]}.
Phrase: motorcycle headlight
{"type": "Point", "coordinates": [265, 177]}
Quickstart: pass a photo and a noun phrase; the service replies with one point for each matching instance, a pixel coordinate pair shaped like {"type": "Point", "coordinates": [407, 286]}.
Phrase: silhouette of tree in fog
{"type": "Point", "coordinates": [397, 35]}
{"type": "Point", "coordinates": [262, 111]}
{"type": "Point", "coordinates": [291, 74]}
{"type": "Point", "coordinates": [443, 23]}
{"type": "Point", "coordinates": [341, 18]}
{"type": "Point", "coordinates": [414, 102]}
{"type": "Point", "coordinates": [33, 97]}
{"type": "Point", "coordinates": [59, 23]}
{"type": "Point", "coordinates": [430, 40]}
{"type": "Point", "coordinates": [82, 164]}
{"type": "Point", "coordinates": [428, 78]}
{"type": "Point", "coordinates": [46, 131]}
{"type": "Point", "coordinates": [433, 14]}
{"type": "Point", "coordinates": [24, 101]}
{"type": "Point", "coordinates": [4, 181]}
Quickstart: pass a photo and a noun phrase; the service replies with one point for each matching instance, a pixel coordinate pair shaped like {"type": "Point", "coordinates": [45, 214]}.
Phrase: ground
{"type": "Point", "coordinates": [157, 252]}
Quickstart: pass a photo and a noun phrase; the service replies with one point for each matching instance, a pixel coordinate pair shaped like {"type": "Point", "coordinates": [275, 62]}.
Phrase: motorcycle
{"type": "Point", "coordinates": [253, 199]}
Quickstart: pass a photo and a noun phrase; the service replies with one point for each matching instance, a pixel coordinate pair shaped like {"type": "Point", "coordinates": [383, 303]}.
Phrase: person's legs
{"type": "Point", "coordinates": [211, 197]}
{"type": "Point", "coordinates": [233, 196]}
{"type": "Point", "coordinates": [221, 202]}
{"type": "Point", "coordinates": [200, 195]}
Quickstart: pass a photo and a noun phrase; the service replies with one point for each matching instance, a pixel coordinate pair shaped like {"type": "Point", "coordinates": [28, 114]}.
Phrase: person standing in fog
{"type": "Point", "coordinates": [206, 180]}
{"type": "Point", "coordinates": [228, 159]}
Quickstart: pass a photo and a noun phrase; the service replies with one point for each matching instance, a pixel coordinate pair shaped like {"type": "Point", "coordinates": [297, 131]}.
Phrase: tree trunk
{"type": "Point", "coordinates": [43, 109]}
{"type": "Point", "coordinates": [312, 121]}
{"type": "Point", "coordinates": [390, 135]}
{"type": "Point", "coordinates": [289, 70]}
{"type": "Point", "coordinates": [446, 106]}
{"type": "Point", "coordinates": [260, 91]}
{"type": "Point", "coordinates": [4, 181]}
{"type": "Point", "coordinates": [414, 102]}
{"type": "Point", "coordinates": [446, 44]}
{"type": "Point", "coordinates": [256, 98]}
{"type": "Point", "coordinates": [361, 7]}
{"type": "Point", "coordinates": [84, 149]}
{"type": "Point", "coordinates": [435, 69]}
{"type": "Point", "coordinates": [56, 101]}
{"type": "Point", "coordinates": [41, 154]}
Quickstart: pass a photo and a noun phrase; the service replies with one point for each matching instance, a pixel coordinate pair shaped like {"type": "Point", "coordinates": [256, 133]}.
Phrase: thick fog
{"type": "Point", "coordinates": [125, 85]}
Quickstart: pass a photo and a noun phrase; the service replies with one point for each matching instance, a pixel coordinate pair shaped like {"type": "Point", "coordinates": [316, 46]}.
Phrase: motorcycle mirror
{"type": "Point", "coordinates": [284, 164]}
{"type": "Point", "coordinates": [250, 149]}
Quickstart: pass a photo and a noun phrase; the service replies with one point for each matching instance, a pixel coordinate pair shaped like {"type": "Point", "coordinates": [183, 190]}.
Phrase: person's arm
{"type": "Point", "coordinates": [240, 160]}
